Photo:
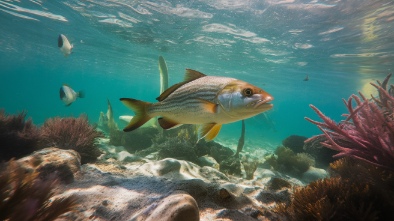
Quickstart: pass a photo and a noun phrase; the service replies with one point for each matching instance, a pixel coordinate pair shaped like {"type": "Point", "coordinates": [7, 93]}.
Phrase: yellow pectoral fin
{"type": "Point", "coordinates": [209, 131]}
{"type": "Point", "coordinates": [209, 106]}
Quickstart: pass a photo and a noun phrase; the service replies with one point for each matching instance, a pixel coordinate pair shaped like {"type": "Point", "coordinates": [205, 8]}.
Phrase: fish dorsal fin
{"type": "Point", "coordinates": [167, 124]}
{"type": "Point", "coordinates": [209, 131]}
{"type": "Point", "coordinates": [169, 91]}
{"type": "Point", "coordinates": [190, 75]}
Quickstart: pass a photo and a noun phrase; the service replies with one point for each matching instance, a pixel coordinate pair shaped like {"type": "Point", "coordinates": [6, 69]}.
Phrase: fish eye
{"type": "Point", "coordinates": [248, 92]}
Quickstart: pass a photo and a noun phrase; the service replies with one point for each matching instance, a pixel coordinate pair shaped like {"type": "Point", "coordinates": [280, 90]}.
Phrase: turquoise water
{"type": "Point", "coordinates": [341, 45]}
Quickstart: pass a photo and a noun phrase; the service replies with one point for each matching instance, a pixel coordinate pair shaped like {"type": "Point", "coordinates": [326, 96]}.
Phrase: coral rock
{"type": "Point", "coordinates": [231, 165]}
{"type": "Point", "coordinates": [208, 161]}
{"type": "Point", "coordinates": [24, 196]}
{"type": "Point", "coordinates": [220, 152]}
{"type": "Point", "coordinates": [224, 194]}
{"type": "Point", "coordinates": [290, 163]}
{"type": "Point", "coordinates": [136, 140]}
{"type": "Point", "coordinates": [295, 143]}
{"type": "Point", "coordinates": [176, 207]}
{"type": "Point", "coordinates": [53, 161]}
{"type": "Point", "coordinates": [322, 154]}
{"type": "Point", "coordinates": [178, 149]}
{"type": "Point", "coordinates": [172, 168]}
{"type": "Point", "coordinates": [250, 167]}
{"type": "Point", "coordinates": [277, 183]}
{"type": "Point", "coordinates": [313, 174]}
{"type": "Point", "coordinates": [127, 157]}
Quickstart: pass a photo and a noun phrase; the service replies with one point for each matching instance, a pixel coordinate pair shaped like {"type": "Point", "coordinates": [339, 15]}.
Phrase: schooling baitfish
{"type": "Point", "coordinates": [206, 100]}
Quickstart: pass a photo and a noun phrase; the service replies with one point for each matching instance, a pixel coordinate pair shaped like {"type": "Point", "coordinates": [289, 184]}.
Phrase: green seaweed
{"type": "Point", "coordinates": [230, 165]}
{"type": "Point", "coordinates": [286, 161]}
{"type": "Point", "coordinates": [295, 143]}
{"type": "Point", "coordinates": [178, 149]}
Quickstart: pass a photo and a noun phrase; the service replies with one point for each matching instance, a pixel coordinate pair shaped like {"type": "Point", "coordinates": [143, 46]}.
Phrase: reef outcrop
{"type": "Point", "coordinates": [123, 186]}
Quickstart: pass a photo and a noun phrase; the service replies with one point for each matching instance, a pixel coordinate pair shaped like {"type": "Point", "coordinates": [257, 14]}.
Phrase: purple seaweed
{"type": "Point", "coordinates": [367, 133]}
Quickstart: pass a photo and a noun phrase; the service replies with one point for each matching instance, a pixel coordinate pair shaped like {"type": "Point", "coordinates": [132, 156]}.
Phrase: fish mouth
{"type": "Point", "coordinates": [263, 104]}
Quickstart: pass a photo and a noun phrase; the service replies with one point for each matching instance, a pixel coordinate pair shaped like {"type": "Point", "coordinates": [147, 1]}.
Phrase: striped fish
{"type": "Point", "coordinates": [68, 95]}
{"type": "Point", "coordinates": [64, 45]}
{"type": "Point", "coordinates": [206, 100]}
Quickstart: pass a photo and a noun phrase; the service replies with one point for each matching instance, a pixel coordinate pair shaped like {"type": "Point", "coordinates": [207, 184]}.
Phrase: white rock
{"type": "Point", "coordinates": [313, 174]}
{"type": "Point", "coordinates": [127, 157]}
{"type": "Point", "coordinates": [208, 161]}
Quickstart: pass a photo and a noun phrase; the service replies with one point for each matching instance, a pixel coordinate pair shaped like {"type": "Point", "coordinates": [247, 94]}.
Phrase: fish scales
{"type": "Point", "coordinates": [205, 95]}
{"type": "Point", "coordinates": [189, 91]}
{"type": "Point", "coordinates": [189, 96]}
{"type": "Point", "coordinates": [191, 104]}
{"type": "Point", "coordinates": [202, 85]}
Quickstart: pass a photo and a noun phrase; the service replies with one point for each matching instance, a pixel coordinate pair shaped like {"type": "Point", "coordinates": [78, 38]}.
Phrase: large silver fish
{"type": "Point", "coordinates": [207, 100]}
{"type": "Point", "coordinates": [68, 95]}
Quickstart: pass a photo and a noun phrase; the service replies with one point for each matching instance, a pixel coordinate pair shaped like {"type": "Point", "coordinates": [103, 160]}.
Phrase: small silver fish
{"type": "Point", "coordinates": [68, 95]}
{"type": "Point", "coordinates": [64, 45]}
{"type": "Point", "coordinates": [207, 100]}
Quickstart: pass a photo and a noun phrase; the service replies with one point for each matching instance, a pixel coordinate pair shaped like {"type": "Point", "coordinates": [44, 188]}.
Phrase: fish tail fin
{"type": "Point", "coordinates": [81, 94]}
{"type": "Point", "coordinates": [141, 115]}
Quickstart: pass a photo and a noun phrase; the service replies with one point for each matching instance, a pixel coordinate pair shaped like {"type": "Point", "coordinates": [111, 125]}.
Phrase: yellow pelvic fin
{"type": "Point", "coordinates": [209, 106]}
{"type": "Point", "coordinates": [209, 131]}
{"type": "Point", "coordinates": [167, 124]}
{"type": "Point", "coordinates": [140, 109]}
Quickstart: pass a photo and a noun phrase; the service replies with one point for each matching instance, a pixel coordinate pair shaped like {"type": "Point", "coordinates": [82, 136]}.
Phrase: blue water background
{"type": "Point", "coordinates": [341, 45]}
